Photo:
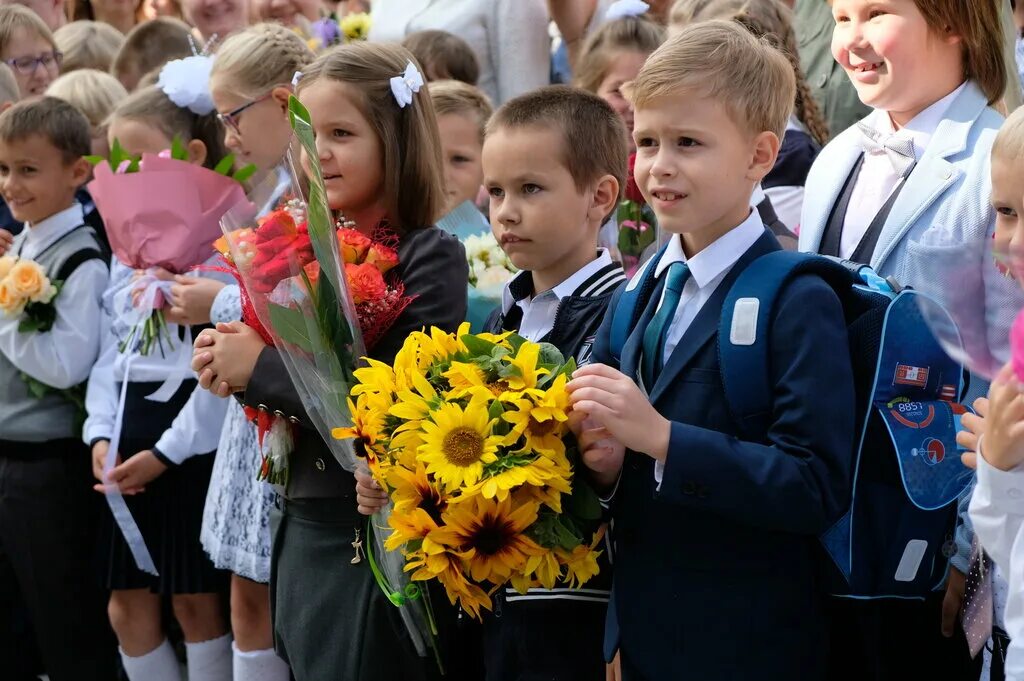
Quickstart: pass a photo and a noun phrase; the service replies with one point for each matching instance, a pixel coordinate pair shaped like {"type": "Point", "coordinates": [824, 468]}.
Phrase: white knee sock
{"type": "Point", "coordinates": [259, 665]}
{"type": "Point", "coordinates": [159, 664]}
{"type": "Point", "coordinates": [209, 660]}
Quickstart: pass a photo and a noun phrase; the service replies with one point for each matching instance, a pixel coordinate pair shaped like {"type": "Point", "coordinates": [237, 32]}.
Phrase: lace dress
{"type": "Point", "coordinates": [236, 529]}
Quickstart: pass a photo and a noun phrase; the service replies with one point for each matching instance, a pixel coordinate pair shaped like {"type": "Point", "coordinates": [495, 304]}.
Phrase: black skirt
{"type": "Point", "coordinates": [169, 513]}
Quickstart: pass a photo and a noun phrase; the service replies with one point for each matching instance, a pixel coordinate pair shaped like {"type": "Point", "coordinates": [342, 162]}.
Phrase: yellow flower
{"type": "Point", "coordinates": [470, 596]}
{"type": "Point", "coordinates": [413, 525]}
{"type": "Point", "coordinates": [537, 473]}
{"type": "Point", "coordinates": [27, 279]}
{"type": "Point", "coordinates": [377, 378]}
{"type": "Point", "coordinates": [415, 404]}
{"type": "Point", "coordinates": [413, 489]}
{"type": "Point", "coordinates": [543, 569]}
{"type": "Point", "coordinates": [469, 379]}
{"type": "Point", "coordinates": [10, 302]}
{"type": "Point", "coordinates": [6, 263]}
{"type": "Point", "coordinates": [581, 563]}
{"type": "Point", "coordinates": [355, 26]}
{"type": "Point", "coordinates": [457, 444]}
{"type": "Point", "coordinates": [541, 436]}
{"type": "Point", "coordinates": [527, 373]}
{"type": "Point", "coordinates": [368, 414]}
{"type": "Point", "coordinates": [489, 537]}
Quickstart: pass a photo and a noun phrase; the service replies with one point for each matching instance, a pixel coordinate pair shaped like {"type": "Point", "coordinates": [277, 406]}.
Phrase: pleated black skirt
{"type": "Point", "coordinates": [169, 513]}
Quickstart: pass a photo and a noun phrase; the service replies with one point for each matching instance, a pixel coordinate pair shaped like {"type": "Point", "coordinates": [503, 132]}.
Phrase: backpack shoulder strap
{"type": "Point", "coordinates": [76, 259]}
{"type": "Point", "coordinates": [631, 304]}
{"type": "Point", "coordinates": [745, 325]}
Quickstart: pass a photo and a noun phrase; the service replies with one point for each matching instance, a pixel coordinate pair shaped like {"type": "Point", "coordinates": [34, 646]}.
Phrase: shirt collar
{"type": "Point", "coordinates": [41, 235]}
{"type": "Point", "coordinates": [923, 126]}
{"type": "Point", "coordinates": [717, 258]}
{"type": "Point", "coordinates": [520, 287]}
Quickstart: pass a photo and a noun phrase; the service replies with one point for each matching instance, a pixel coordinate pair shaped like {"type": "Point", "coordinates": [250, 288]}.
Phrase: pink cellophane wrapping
{"type": "Point", "coordinates": [1017, 346]}
{"type": "Point", "coordinates": [166, 215]}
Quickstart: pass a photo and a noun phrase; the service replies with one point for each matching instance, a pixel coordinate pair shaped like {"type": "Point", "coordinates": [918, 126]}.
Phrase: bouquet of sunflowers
{"type": "Point", "coordinates": [469, 435]}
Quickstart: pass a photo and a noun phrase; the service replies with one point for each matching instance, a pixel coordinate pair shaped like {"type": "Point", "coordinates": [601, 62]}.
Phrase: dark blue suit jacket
{"type": "Point", "coordinates": [716, 573]}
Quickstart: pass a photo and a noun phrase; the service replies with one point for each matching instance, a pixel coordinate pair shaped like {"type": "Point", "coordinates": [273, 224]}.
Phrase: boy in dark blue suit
{"type": "Point", "coordinates": [716, 528]}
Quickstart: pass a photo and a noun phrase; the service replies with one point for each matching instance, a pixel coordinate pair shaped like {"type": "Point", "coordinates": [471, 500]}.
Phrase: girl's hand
{"type": "Point", "coordinates": [99, 457]}
{"type": "Point", "coordinates": [369, 496]}
{"type": "Point", "coordinates": [6, 241]}
{"type": "Point", "coordinates": [132, 476]}
{"type": "Point", "coordinates": [1003, 447]}
{"type": "Point", "coordinates": [974, 428]}
{"type": "Point", "coordinates": [224, 358]}
{"type": "Point", "coordinates": [191, 299]}
{"type": "Point", "coordinates": [602, 454]}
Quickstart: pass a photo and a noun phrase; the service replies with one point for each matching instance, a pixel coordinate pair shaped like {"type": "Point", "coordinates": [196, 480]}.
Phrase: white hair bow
{"type": "Point", "coordinates": [403, 87]}
{"type": "Point", "coordinates": [626, 8]}
{"type": "Point", "coordinates": [186, 82]}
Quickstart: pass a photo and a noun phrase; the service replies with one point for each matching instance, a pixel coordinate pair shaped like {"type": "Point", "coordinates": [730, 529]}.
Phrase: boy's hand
{"type": "Point", "coordinates": [225, 358]}
{"type": "Point", "coordinates": [191, 299]}
{"type": "Point", "coordinates": [600, 451]}
{"type": "Point", "coordinates": [615, 401]}
{"type": "Point", "coordinates": [6, 241]}
{"type": "Point", "coordinates": [974, 428]}
{"type": "Point", "coordinates": [133, 475]}
{"type": "Point", "coordinates": [1003, 447]}
{"type": "Point", "coordinates": [369, 496]}
{"type": "Point", "coordinates": [956, 586]}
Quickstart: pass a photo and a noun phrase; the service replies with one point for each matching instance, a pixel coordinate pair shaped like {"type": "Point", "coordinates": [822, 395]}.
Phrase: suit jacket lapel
{"type": "Point", "coordinates": [934, 173]}
{"type": "Point", "coordinates": [819, 204]}
{"type": "Point", "coordinates": [705, 324]}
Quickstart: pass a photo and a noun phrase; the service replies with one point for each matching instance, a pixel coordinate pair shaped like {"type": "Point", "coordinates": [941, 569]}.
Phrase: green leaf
{"type": "Point", "coordinates": [290, 324]}
{"type": "Point", "coordinates": [95, 160]}
{"type": "Point", "coordinates": [496, 410]}
{"type": "Point", "coordinates": [516, 341]}
{"type": "Point", "coordinates": [550, 356]}
{"type": "Point", "coordinates": [478, 346]}
{"type": "Point", "coordinates": [225, 165]}
{"type": "Point", "coordinates": [296, 110]}
{"type": "Point", "coordinates": [179, 151]}
{"type": "Point", "coordinates": [583, 503]}
{"type": "Point", "coordinates": [241, 176]}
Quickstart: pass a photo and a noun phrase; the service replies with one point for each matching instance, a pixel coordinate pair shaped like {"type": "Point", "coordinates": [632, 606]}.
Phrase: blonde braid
{"type": "Point", "coordinates": [255, 60]}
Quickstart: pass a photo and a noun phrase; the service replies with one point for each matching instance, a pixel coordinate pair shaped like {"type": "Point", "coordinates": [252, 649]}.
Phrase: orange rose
{"type": "Point", "coordinates": [353, 245]}
{"type": "Point", "coordinates": [28, 279]}
{"type": "Point", "coordinates": [6, 263]}
{"type": "Point", "coordinates": [365, 283]}
{"type": "Point", "coordinates": [10, 303]}
{"type": "Point", "coordinates": [382, 257]}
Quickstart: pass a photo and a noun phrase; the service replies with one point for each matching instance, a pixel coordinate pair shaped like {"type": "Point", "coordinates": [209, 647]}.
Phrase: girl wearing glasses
{"type": "Point", "coordinates": [28, 47]}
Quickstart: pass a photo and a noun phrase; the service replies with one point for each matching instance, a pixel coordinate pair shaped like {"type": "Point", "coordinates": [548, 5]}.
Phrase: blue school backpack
{"type": "Point", "coordinates": [897, 535]}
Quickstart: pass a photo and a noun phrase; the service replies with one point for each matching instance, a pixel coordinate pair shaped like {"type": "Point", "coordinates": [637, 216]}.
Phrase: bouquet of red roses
{"type": "Point", "coordinates": [319, 292]}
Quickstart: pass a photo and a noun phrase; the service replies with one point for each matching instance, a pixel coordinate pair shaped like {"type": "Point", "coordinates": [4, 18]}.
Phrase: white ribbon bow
{"type": "Point", "coordinates": [296, 78]}
{"type": "Point", "coordinates": [626, 8]}
{"type": "Point", "coordinates": [405, 86]}
{"type": "Point", "coordinates": [186, 82]}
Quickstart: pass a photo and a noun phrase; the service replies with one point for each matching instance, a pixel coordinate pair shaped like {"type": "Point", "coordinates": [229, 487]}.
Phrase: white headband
{"type": "Point", "coordinates": [626, 8]}
{"type": "Point", "coordinates": [186, 82]}
{"type": "Point", "coordinates": [405, 86]}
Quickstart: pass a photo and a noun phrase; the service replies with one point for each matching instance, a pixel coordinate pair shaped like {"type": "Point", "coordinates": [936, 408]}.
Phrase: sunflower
{"type": "Point", "coordinates": [415, 404]}
{"type": "Point", "coordinates": [581, 562]}
{"type": "Point", "coordinates": [542, 429]}
{"type": "Point", "coordinates": [542, 570]}
{"type": "Point", "coordinates": [470, 596]}
{"type": "Point", "coordinates": [376, 378]}
{"type": "Point", "coordinates": [469, 379]}
{"type": "Point", "coordinates": [537, 473]}
{"type": "Point", "coordinates": [526, 374]}
{"type": "Point", "coordinates": [412, 489]}
{"type": "Point", "coordinates": [412, 526]}
{"type": "Point", "coordinates": [368, 414]}
{"type": "Point", "coordinates": [458, 443]}
{"type": "Point", "coordinates": [489, 537]}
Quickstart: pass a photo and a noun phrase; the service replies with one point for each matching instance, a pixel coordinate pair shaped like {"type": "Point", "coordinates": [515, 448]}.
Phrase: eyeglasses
{"type": "Point", "coordinates": [26, 66]}
{"type": "Point", "coordinates": [230, 119]}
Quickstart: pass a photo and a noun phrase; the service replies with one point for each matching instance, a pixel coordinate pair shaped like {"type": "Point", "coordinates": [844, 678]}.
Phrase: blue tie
{"type": "Point", "coordinates": [657, 329]}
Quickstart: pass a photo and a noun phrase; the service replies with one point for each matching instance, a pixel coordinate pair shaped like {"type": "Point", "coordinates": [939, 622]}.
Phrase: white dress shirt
{"type": "Point", "coordinates": [788, 200]}
{"type": "Point", "coordinates": [63, 356]}
{"type": "Point", "coordinates": [539, 310]}
{"type": "Point", "coordinates": [707, 270]}
{"type": "Point", "coordinates": [196, 429]}
{"type": "Point", "coordinates": [997, 511]}
{"type": "Point", "coordinates": [878, 180]}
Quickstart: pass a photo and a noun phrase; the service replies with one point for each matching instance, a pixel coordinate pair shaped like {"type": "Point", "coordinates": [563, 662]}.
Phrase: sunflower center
{"type": "Point", "coordinates": [463, 446]}
{"type": "Point", "coordinates": [498, 387]}
{"type": "Point", "coordinates": [542, 428]}
{"type": "Point", "coordinates": [491, 538]}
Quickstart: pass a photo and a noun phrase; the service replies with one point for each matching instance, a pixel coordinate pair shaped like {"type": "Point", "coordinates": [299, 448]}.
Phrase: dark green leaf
{"type": "Point", "coordinates": [496, 410]}
{"type": "Point", "coordinates": [290, 324]}
{"type": "Point", "coordinates": [477, 346]}
{"type": "Point", "coordinates": [516, 341]}
{"type": "Point", "coordinates": [178, 150]}
{"type": "Point", "coordinates": [583, 503]}
{"type": "Point", "coordinates": [550, 356]}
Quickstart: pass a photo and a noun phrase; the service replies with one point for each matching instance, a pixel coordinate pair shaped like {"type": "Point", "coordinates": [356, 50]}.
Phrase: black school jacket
{"type": "Point", "coordinates": [432, 265]}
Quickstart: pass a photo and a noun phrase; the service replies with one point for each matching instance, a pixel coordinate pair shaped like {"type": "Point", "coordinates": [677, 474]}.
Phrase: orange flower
{"type": "Point", "coordinates": [365, 283]}
{"type": "Point", "coordinates": [353, 245]}
{"type": "Point", "coordinates": [382, 257]}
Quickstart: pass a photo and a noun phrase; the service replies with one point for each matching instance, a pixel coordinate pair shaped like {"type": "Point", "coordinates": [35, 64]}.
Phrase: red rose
{"type": "Point", "coordinates": [382, 257]}
{"type": "Point", "coordinates": [353, 245]}
{"type": "Point", "coordinates": [632, 189]}
{"type": "Point", "coordinates": [282, 249]}
{"type": "Point", "coordinates": [365, 282]}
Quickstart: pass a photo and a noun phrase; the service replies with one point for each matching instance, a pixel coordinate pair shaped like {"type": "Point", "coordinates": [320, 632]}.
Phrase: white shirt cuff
{"type": "Point", "coordinates": [1001, 486]}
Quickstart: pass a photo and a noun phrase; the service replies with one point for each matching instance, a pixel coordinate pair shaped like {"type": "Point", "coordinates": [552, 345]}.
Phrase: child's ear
{"type": "Point", "coordinates": [606, 196]}
{"type": "Point", "coordinates": [765, 152]}
{"type": "Point", "coordinates": [197, 152]}
{"type": "Point", "coordinates": [81, 171]}
{"type": "Point", "coordinates": [281, 96]}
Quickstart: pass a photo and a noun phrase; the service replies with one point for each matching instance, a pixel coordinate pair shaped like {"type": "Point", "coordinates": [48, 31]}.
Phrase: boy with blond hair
{"type": "Point", "coordinates": [716, 524]}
